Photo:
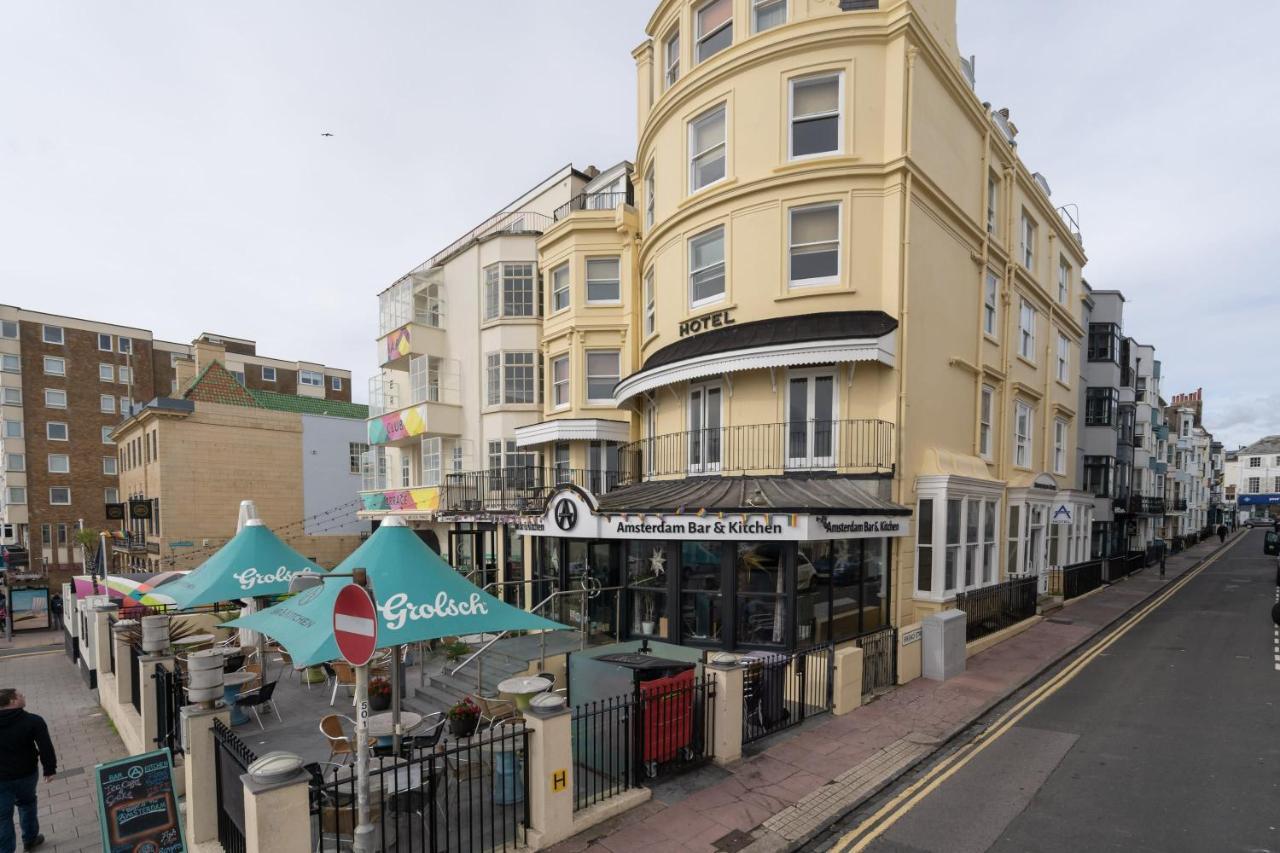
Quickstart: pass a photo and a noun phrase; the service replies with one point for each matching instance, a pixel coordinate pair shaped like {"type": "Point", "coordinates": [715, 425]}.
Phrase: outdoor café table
{"type": "Point", "coordinates": [523, 688]}
{"type": "Point", "coordinates": [231, 684]}
{"type": "Point", "coordinates": [380, 725]}
{"type": "Point", "coordinates": [195, 640]}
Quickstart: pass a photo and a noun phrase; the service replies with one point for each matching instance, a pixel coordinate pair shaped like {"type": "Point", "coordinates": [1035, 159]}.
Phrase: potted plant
{"type": "Point", "coordinates": [463, 718]}
{"type": "Point", "coordinates": [455, 650]}
{"type": "Point", "coordinates": [379, 694]}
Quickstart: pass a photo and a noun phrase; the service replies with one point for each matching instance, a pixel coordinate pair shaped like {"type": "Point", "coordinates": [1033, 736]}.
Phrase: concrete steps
{"type": "Point", "coordinates": [507, 657]}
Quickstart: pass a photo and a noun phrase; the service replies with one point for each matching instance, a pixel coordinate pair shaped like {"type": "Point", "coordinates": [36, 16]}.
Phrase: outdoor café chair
{"type": "Point", "coordinates": [494, 711]}
{"type": "Point", "coordinates": [340, 743]}
{"type": "Point", "coordinates": [411, 742]}
{"type": "Point", "coordinates": [334, 808]}
{"type": "Point", "coordinates": [344, 675]}
{"type": "Point", "coordinates": [256, 698]}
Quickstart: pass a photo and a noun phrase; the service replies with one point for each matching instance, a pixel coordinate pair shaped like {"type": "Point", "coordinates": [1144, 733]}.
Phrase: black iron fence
{"type": "Point", "coordinates": [666, 726]}
{"type": "Point", "coordinates": [523, 489]}
{"type": "Point", "coordinates": [231, 757]}
{"type": "Point", "coordinates": [1123, 565]}
{"type": "Point", "coordinates": [845, 445]}
{"type": "Point", "coordinates": [780, 690]}
{"type": "Point", "coordinates": [467, 796]}
{"type": "Point", "coordinates": [879, 659]}
{"type": "Point", "coordinates": [1075, 580]}
{"type": "Point", "coordinates": [169, 701]}
{"type": "Point", "coordinates": [594, 201]}
{"type": "Point", "coordinates": [997, 607]}
{"type": "Point", "coordinates": [603, 749]}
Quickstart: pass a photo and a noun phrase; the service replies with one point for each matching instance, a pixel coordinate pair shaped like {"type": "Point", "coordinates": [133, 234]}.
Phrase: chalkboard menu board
{"type": "Point", "coordinates": [136, 805]}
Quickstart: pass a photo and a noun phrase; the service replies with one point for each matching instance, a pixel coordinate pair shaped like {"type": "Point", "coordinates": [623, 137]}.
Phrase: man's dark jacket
{"type": "Point", "coordinates": [23, 738]}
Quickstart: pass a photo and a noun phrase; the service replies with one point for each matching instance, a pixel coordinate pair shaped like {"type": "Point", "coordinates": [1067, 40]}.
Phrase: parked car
{"type": "Point", "coordinates": [1260, 521]}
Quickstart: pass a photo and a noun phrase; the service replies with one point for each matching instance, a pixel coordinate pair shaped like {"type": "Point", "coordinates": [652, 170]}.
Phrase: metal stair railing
{"type": "Point", "coordinates": [585, 593]}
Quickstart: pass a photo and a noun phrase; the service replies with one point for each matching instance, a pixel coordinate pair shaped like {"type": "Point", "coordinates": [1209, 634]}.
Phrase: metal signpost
{"type": "Point", "coordinates": [355, 628]}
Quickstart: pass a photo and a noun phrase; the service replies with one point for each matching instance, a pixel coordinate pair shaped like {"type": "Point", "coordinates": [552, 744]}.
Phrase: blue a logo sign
{"type": "Point", "coordinates": [1062, 514]}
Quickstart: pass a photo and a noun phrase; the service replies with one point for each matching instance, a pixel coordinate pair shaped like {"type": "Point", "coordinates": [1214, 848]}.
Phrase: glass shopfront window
{"type": "Point", "coordinates": [701, 580]}
{"type": "Point", "coordinates": [841, 589]}
{"type": "Point", "coordinates": [762, 600]}
{"type": "Point", "coordinates": [647, 588]}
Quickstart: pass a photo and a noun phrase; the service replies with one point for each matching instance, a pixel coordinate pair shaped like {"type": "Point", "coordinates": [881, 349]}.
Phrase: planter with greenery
{"type": "Point", "coordinates": [463, 718]}
{"type": "Point", "coordinates": [379, 694]}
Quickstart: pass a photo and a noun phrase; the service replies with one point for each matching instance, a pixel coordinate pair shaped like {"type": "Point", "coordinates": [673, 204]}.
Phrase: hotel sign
{"type": "Point", "coordinates": [569, 515]}
{"type": "Point", "coordinates": [697, 325]}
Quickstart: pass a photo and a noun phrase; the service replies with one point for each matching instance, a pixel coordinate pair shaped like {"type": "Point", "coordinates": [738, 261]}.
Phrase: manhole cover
{"type": "Point", "coordinates": [733, 842]}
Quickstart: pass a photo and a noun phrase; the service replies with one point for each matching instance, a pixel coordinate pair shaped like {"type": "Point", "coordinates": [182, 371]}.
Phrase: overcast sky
{"type": "Point", "coordinates": [162, 164]}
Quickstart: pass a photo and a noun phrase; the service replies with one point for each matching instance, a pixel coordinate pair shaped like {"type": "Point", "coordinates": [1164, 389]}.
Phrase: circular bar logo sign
{"type": "Point", "coordinates": [566, 514]}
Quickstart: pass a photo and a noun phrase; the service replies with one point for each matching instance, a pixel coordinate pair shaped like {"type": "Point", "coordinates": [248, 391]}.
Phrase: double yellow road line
{"type": "Point", "coordinates": [861, 836]}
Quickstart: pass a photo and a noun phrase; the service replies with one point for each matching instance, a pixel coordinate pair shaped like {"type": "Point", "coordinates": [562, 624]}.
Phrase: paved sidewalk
{"type": "Point", "coordinates": [805, 778]}
{"type": "Point", "coordinates": [82, 737]}
{"type": "Point", "coordinates": [24, 641]}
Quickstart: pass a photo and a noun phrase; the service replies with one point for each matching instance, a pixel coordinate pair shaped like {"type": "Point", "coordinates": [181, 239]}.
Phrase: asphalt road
{"type": "Point", "coordinates": [1167, 741]}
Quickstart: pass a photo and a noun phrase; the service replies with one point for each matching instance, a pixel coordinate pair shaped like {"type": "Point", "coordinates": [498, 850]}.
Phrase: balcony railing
{"type": "Point", "coordinates": [594, 201]}
{"type": "Point", "coordinates": [1176, 505]}
{"type": "Point", "coordinates": [1143, 505]}
{"type": "Point", "coordinates": [847, 446]}
{"type": "Point", "coordinates": [524, 489]}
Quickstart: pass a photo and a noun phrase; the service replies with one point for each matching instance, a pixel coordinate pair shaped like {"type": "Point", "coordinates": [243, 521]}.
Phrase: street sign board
{"type": "Point", "coordinates": [1062, 514]}
{"type": "Point", "coordinates": [355, 626]}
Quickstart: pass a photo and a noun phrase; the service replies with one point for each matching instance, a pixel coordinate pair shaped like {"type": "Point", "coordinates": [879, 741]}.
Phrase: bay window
{"type": "Point", "coordinates": [560, 288]}
{"type": "Point", "coordinates": [604, 369]}
{"type": "Point", "coordinates": [560, 382]}
{"type": "Point", "coordinates": [956, 536]}
{"type": "Point", "coordinates": [604, 281]}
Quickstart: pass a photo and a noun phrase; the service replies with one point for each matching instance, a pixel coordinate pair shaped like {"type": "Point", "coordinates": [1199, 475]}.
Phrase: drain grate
{"type": "Point", "coordinates": [733, 842]}
{"type": "Point", "coordinates": [1058, 621]}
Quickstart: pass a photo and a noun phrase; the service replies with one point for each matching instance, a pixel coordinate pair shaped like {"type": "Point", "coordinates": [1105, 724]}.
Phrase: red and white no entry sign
{"type": "Point", "coordinates": [355, 624]}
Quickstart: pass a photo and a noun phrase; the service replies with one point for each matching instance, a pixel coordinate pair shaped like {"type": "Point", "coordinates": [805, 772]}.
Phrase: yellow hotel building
{"type": "Point", "coordinates": [816, 369]}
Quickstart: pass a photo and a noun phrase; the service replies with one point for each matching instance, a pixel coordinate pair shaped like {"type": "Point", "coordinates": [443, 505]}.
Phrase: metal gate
{"type": "Point", "coordinates": [879, 659]}
{"type": "Point", "coordinates": [780, 690]}
{"type": "Point", "coordinates": [169, 702]}
{"type": "Point", "coordinates": [232, 759]}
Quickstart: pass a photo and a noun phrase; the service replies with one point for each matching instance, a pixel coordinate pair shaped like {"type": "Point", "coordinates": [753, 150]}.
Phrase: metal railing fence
{"type": "Point", "coordinates": [467, 796]}
{"type": "Point", "coordinates": [780, 690]}
{"type": "Point", "coordinates": [997, 607]}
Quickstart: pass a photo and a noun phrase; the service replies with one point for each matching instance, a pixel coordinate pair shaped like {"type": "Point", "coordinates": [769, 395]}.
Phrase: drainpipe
{"type": "Point", "coordinates": [904, 255]}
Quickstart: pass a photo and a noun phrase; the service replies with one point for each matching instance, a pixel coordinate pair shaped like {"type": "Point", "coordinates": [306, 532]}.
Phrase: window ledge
{"type": "Point", "coordinates": [1062, 384]}
{"type": "Point", "coordinates": [700, 193]}
{"type": "Point", "coordinates": [991, 339]}
{"type": "Point", "coordinates": [510, 321]}
{"type": "Point", "coordinates": [807, 162]}
{"type": "Point", "coordinates": [1028, 362]}
{"type": "Point", "coordinates": [797, 291]}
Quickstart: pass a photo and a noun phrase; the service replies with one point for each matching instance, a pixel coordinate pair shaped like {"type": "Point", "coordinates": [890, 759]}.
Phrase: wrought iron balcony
{"type": "Point", "coordinates": [1175, 505]}
{"type": "Point", "coordinates": [846, 446]}
{"type": "Point", "coordinates": [595, 201]}
{"type": "Point", "coordinates": [523, 489]}
{"type": "Point", "coordinates": [1143, 505]}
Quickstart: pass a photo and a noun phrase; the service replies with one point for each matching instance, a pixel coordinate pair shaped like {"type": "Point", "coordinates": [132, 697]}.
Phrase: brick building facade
{"type": "Point", "coordinates": [65, 383]}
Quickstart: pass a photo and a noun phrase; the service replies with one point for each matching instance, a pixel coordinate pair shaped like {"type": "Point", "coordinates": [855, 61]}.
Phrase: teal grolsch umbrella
{"type": "Point", "coordinates": [253, 564]}
{"type": "Point", "coordinates": [418, 595]}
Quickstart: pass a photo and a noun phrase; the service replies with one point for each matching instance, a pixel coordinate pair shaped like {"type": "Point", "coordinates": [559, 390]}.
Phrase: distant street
{"type": "Point", "coordinates": [1167, 741]}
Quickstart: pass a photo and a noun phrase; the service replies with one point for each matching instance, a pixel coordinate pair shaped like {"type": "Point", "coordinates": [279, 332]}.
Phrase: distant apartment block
{"type": "Point", "coordinates": [66, 383]}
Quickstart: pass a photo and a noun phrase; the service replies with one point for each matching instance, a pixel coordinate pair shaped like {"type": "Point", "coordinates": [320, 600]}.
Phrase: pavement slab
{"type": "Point", "coordinates": [82, 737]}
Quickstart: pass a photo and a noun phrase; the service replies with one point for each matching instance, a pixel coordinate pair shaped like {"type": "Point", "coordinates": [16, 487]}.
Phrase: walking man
{"type": "Point", "coordinates": [55, 611]}
{"type": "Point", "coordinates": [24, 741]}
{"type": "Point", "coordinates": [1222, 533]}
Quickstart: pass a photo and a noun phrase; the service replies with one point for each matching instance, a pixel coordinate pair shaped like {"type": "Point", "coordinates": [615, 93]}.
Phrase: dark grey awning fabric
{"type": "Point", "coordinates": [799, 494]}
{"type": "Point", "coordinates": [800, 328]}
